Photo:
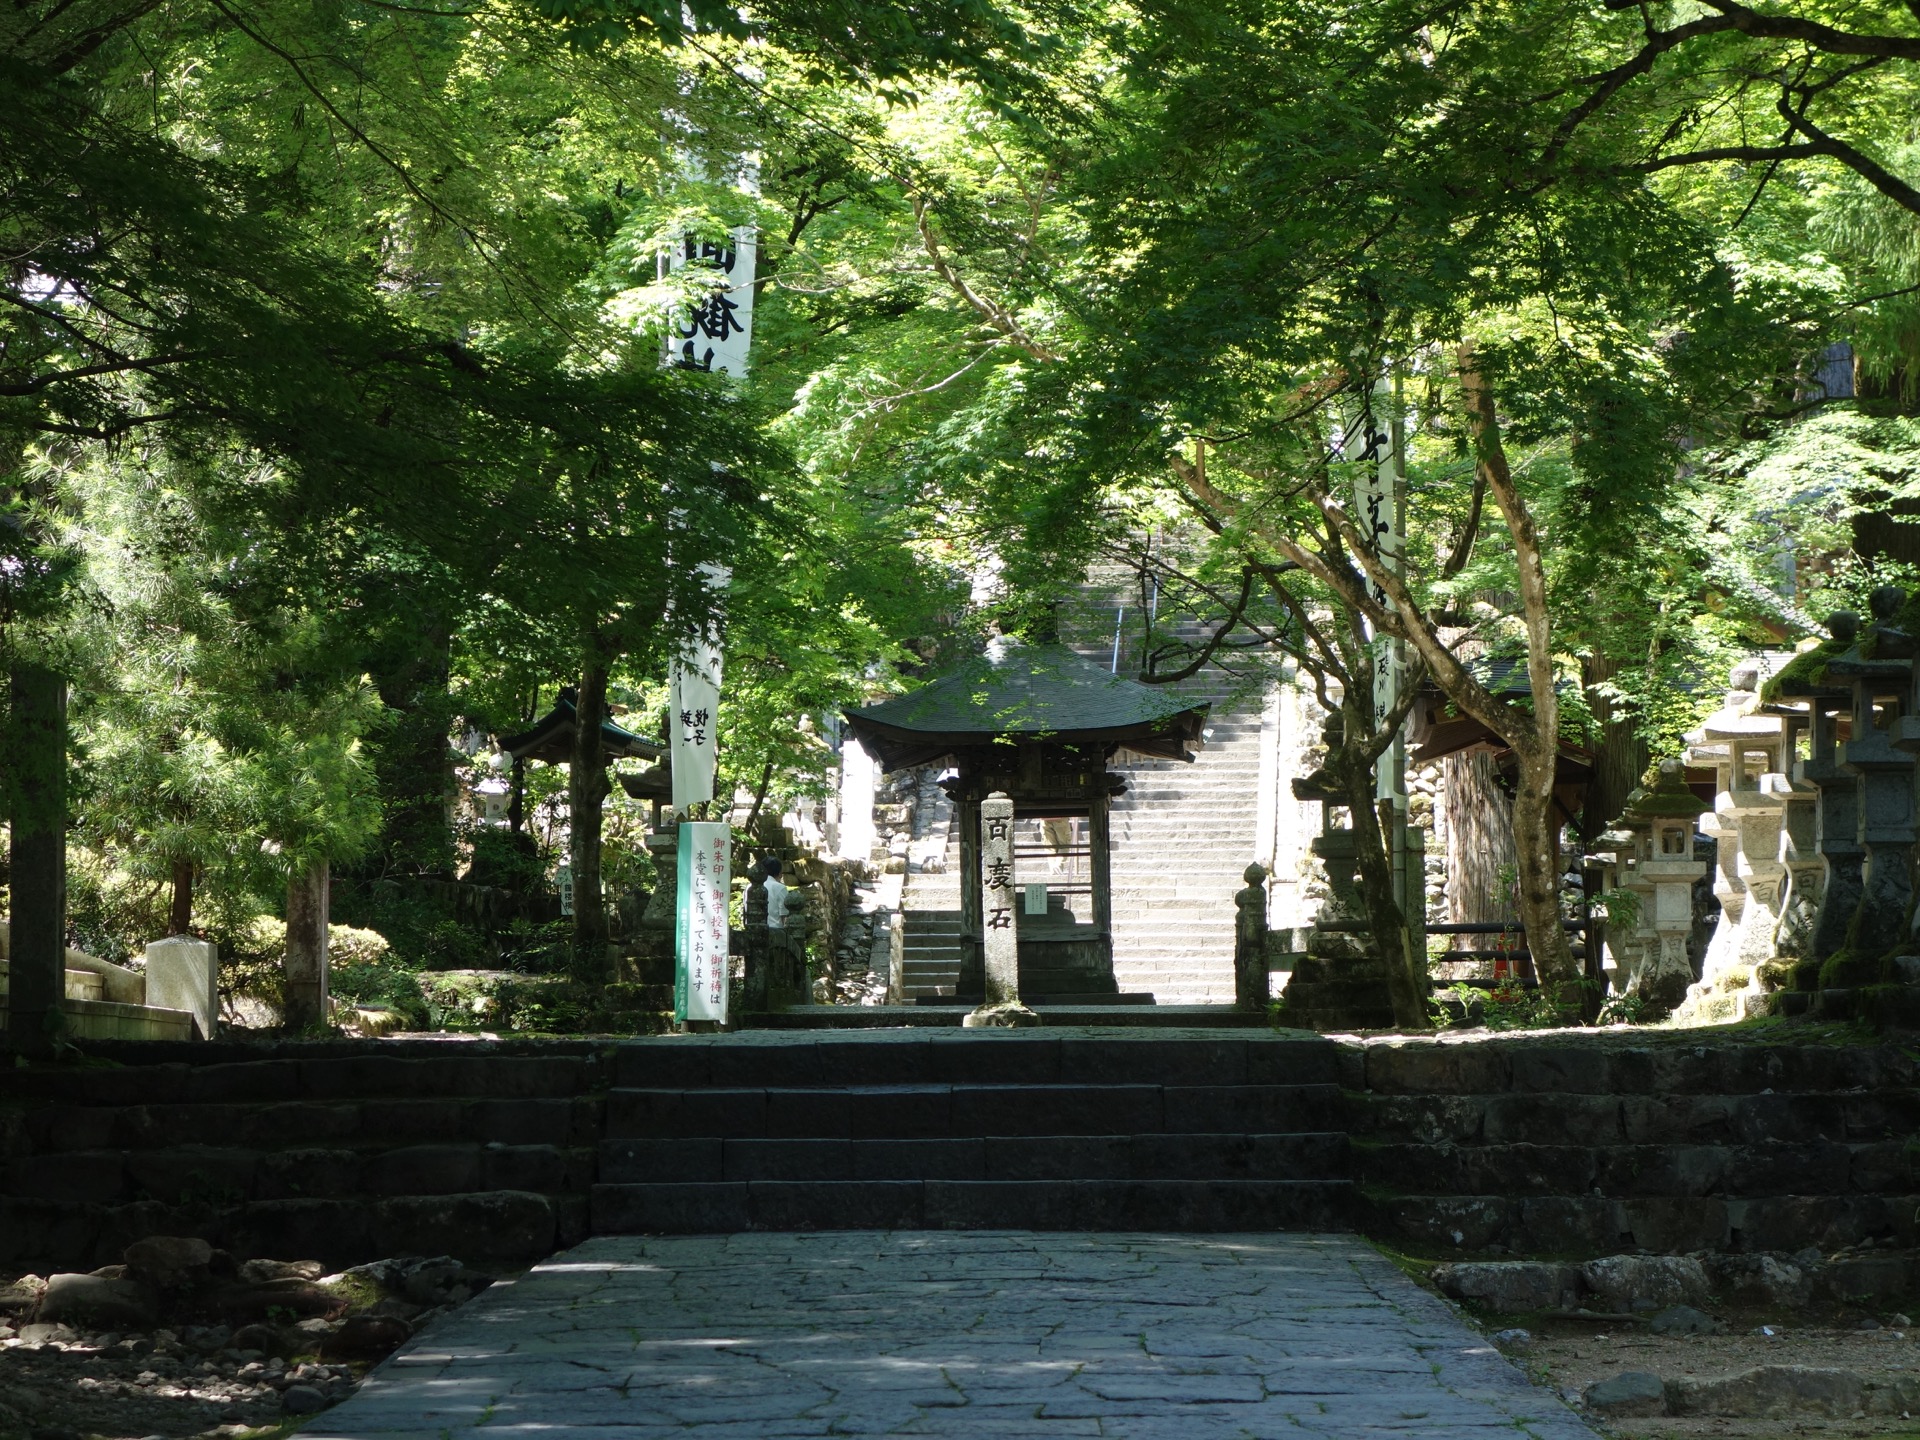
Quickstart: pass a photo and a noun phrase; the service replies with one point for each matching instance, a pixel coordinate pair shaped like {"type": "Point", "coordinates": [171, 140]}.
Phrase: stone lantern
{"type": "Point", "coordinates": [1617, 854]}
{"type": "Point", "coordinates": [1669, 811]}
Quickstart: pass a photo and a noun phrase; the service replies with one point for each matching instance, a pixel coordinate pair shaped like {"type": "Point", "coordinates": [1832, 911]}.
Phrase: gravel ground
{"type": "Point", "coordinates": [1569, 1357]}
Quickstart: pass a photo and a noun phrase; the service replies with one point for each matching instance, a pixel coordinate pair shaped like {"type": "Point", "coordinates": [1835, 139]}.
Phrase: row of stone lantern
{"type": "Point", "coordinates": [1814, 856]}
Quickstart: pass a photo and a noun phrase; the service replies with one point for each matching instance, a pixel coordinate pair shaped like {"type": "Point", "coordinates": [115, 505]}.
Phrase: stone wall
{"type": "Point", "coordinates": [1552, 1146]}
{"type": "Point", "coordinates": [1562, 1145]}
{"type": "Point", "coordinates": [334, 1151]}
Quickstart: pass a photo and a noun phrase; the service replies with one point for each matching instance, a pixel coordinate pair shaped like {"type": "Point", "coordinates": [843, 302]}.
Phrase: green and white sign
{"type": "Point", "coordinates": [701, 935]}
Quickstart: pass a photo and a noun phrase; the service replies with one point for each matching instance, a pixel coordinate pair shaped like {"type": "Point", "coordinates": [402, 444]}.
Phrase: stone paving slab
{"type": "Point", "coordinates": [917, 1333]}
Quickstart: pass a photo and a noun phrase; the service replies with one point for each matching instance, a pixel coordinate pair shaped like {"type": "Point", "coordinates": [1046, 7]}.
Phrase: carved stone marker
{"type": "Point", "coordinates": [1250, 983]}
{"type": "Point", "coordinates": [999, 923]}
{"type": "Point", "coordinates": [184, 974]}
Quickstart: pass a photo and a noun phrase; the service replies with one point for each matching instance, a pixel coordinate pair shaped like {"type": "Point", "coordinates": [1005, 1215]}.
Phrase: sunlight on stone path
{"type": "Point", "coordinates": [954, 1333]}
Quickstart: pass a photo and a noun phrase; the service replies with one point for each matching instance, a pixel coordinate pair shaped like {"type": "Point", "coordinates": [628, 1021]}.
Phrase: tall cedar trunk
{"type": "Point", "coordinates": [1620, 760]}
{"type": "Point", "coordinates": [587, 788]}
{"type": "Point", "coordinates": [1537, 850]}
{"type": "Point", "coordinates": [1479, 840]}
{"type": "Point", "coordinates": [308, 902]}
{"type": "Point", "coordinates": [1406, 971]}
{"type": "Point", "coordinates": [411, 757]}
{"type": "Point", "coordinates": [180, 921]}
{"type": "Point", "coordinates": [37, 768]}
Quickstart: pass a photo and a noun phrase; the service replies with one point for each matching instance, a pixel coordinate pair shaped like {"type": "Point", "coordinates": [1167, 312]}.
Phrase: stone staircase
{"type": "Point", "coordinates": [974, 1130]}
{"type": "Point", "coordinates": [1182, 836]}
{"type": "Point", "coordinates": [930, 918]}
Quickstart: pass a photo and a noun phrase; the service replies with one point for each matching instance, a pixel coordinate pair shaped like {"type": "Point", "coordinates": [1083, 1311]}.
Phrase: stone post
{"type": "Point", "coordinates": [1886, 812]}
{"type": "Point", "coordinates": [1250, 985]}
{"type": "Point", "coordinates": [1836, 832]}
{"type": "Point", "coordinates": [753, 915]}
{"type": "Point", "coordinates": [999, 923]}
{"type": "Point", "coordinates": [306, 976]}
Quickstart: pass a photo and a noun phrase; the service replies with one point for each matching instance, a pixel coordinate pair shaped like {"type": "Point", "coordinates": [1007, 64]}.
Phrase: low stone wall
{"type": "Point", "coordinates": [1560, 1145]}
{"type": "Point", "coordinates": [1671, 1143]}
{"type": "Point", "coordinates": [339, 1152]}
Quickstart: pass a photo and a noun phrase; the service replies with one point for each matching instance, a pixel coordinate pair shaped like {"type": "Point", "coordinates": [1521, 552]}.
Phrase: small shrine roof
{"type": "Point", "coordinates": [550, 738]}
{"type": "Point", "coordinates": [1023, 691]}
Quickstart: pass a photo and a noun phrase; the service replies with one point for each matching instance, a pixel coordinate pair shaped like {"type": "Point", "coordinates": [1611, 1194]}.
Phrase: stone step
{"type": "Point", "coordinates": [1164, 1205]}
{"type": "Point", "coordinates": [905, 1112]}
{"type": "Point", "coordinates": [1299, 1156]}
{"type": "Point", "coordinates": [1000, 1060]}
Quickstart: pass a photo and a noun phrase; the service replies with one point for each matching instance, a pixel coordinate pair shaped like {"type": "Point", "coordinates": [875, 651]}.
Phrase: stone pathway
{"type": "Point", "coordinates": [774, 1336]}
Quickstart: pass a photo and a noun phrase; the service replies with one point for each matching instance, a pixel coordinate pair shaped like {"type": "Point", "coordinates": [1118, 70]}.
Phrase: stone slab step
{"type": "Point", "coordinates": [936, 1111]}
{"type": "Point", "coordinates": [1310, 1156]}
{"type": "Point", "coordinates": [1071, 1058]}
{"type": "Point", "coordinates": [1172, 1205]}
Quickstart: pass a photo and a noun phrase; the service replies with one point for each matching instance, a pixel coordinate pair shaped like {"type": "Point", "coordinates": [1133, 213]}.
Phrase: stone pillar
{"type": "Point", "coordinates": [308, 893]}
{"type": "Point", "coordinates": [1836, 832]}
{"type": "Point", "coordinates": [37, 945]}
{"type": "Point", "coordinates": [1886, 826]}
{"type": "Point", "coordinates": [999, 922]}
{"type": "Point", "coordinates": [1250, 941]}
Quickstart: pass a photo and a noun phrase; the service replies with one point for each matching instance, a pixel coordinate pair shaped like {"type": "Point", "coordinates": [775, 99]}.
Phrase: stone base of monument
{"type": "Point", "coordinates": [1340, 983]}
{"type": "Point", "coordinates": [1008, 1015]}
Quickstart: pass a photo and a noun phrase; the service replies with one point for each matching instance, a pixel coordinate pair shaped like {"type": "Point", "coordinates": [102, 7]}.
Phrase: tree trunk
{"type": "Point", "coordinates": [1406, 970]}
{"type": "Point", "coordinates": [1479, 840]}
{"type": "Point", "coordinates": [586, 791]}
{"type": "Point", "coordinates": [1619, 762]}
{"type": "Point", "coordinates": [411, 758]}
{"type": "Point", "coordinates": [180, 921]}
{"type": "Point", "coordinates": [37, 936]}
{"type": "Point", "coordinates": [308, 895]}
{"type": "Point", "coordinates": [1537, 858]}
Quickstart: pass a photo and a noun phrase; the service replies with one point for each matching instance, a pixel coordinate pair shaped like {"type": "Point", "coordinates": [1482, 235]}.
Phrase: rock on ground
{"type": "Point", "coordinates": [1633, 1393]}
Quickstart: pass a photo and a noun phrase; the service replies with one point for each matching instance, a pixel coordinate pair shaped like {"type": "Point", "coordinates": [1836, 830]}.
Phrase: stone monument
{"type": "Point", "coordinates": [1250, 985]}
{"type": "Point", "coordinates": [184, 974]}
{"type": "Point", "coordinates": [998, 906]}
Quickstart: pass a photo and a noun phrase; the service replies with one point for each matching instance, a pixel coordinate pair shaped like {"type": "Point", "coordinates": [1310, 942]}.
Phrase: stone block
{"type": "Point", "coordinates": [1886, 1167]}
{"type": "Point", "coordinates": [1559, 1224]}
{"type": "Point", "coordinates": [523, 1167]}
{"type": "Point", "coordinates": [1661, 1170]}
{"type": "Point", "coordinates": [249, 1082]}
{"type": "Point", "coordinates": [1866, 1280]}
{"type": "Point", "coordinates": [1631, 1394]}
{"type": "Point", "coordinates": [1677, 1119]}
{"type": "Point", "coordinates": [1560, 1068]}
{"type": "Point", "coordinates": [492, 1225]}
{"type": "Point", "coordinates": [1427, 1119]}
{"type": "Point", "coordinates": [1244, 1109]}
{"type": "Point", "coordinates": [1661, 1280]}
{"type": "Point", "coordinates": [193, 1174]}
{"type": "Point", "coordinates": [1511, 1287]}
{"type": "Point", "coordinates": [518, 1122]}
{"type": "Point", "coordinates": [1815, 1168]}
{"type": "Point", "coordinates": [1525, 1169]}
{"type": "Point", "coordinates": [972, 1057]}
{"type": "Point", "coordinates": [669, 1114]}
{"type": "Point", "coordinates": [335, 1232]}
{"type": "Point", "coordinates": [184, 974]}
{"type": "Point", "coordinates": [35, 1233]}
{"type": "Point", "coordinates": [656, 1161]}
{"type": "Point", "coordinates": [71, 1127]}
{"type": "Point", "coordinates": [1787, 1118]}
{"type": "Point", "coordinates": [1758, 1280]}
{"type": "Point", "coordinates": [269, 1126]}
{"type": "Point", "coordinates": [1791, 1222]}
{"type": "Point", "coordinates": [292, 1174]}
{"type": "Point", "coordinates": [1425, 1068]}
{"type": "Point", "coordinates": [1002, 1205]}
{"type": "Point", "coordinates": [396, 1121]}
{"type": "Point", "coordinates": [808, 1113]}
{"type": "Point", "coordinates": [670, 1209]}
{"type": "Point", "coordinates": [1673, 1223]}
{"type": "Point", "coordinates": [1768, 1392]}
{"type": "Point", "coordinates": [665, 1064]}
{"type": "Point", "coordinates": [903, 1061]}
{"type": "Point", "coordinates": [423, 1170]}
{"type": "Point", "coordinates": [941, 1159]}
{"type": "Point", "coordinates": [530, 1077]}
{"type": "Point", "coordinates": [834, 1204]}
{"type": "Point", "coordinates": [1882, 1115]}
{"type": "Point", "coordinates": [1552, 1120]}
{"type": "Point", "coordinates": [914, 1113]}
{"type": "Point", "coordinates": [77, 1175]}
{"type": "Point", "coordinates": [1464, 1222]}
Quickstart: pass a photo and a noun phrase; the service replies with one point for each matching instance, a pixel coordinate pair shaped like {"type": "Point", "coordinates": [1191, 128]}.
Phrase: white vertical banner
{"type": "Point", "coordinates": [1376, 506]}
{"type": "Point", "coordinates": [715, 333]}
{"type": "Point", "coordinates": [701, 932]}
{"type": "Point", "coordinates": [694, 698]}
